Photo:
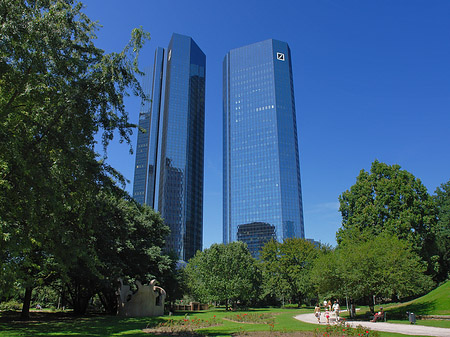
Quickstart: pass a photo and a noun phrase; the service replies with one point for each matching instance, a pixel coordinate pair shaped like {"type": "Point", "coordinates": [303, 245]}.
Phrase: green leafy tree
{"type": "Point", "coordinates": [125, 241]}
{"type": "Point", "coordinates": [57, 90]}
{"type": "Point", "coordinates": [286, 268]}
{"type": "Point", "coordinates": [326, 276]}
{"type": "Point", "coordinates": [442, 259]}
{"type": "Point", "coordinates": [384, 266]}
{"type": "Point", "coordinates": [388, 199]}
{"type": "Point", "coordinates": [173, 280]}
{"type": "Point", "coordinates": [224, 273]}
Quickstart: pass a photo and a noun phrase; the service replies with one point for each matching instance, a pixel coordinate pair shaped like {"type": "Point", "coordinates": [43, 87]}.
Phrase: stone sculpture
{"type": "Point", "coordinates": [148, 300]}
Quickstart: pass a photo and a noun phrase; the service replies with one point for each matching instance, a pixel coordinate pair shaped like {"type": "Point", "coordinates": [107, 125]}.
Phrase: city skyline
{"type": "Point", "coordinates": [372, 81]}
{"type": "Point", "coordinates": [262, 197]}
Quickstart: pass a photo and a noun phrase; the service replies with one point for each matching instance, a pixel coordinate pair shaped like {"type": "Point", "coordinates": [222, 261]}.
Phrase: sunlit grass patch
{"type": "Point", "coordinates": [262, 318]}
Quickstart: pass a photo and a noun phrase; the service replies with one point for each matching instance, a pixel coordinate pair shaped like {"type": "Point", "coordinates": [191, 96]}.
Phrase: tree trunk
{"type": "Point", "coordinates": [352, 310]}
{"type": "Point", "coordinates": [371, 305]}
{"type": "Point", "coordinates": [26, 303]}
{"type": "Point", "coordinates": [80, 298]}
{"type": "Point", "coordinates": [110, 301]}
{"type": "Point", "coordinates": [80, 305]}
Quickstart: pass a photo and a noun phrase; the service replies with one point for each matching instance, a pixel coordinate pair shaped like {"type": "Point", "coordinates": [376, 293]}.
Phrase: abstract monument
{"type": "Point", "coordinates": [148, 300]}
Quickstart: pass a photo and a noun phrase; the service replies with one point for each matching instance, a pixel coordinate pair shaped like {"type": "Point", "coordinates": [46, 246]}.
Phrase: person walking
{"type": "Point", "coordinates": [317, 312]}
{"type": "Point", "coordinates": [327, 315]}
{"type": "Point", "coordinates": [336, 310]}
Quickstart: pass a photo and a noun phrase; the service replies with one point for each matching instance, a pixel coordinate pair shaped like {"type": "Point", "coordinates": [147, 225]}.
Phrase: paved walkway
{"type": "Point", "coordinates": [408, 329]}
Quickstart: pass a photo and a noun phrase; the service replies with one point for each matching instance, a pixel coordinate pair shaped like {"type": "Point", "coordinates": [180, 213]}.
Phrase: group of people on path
{"type": "Point", "coordinates": [329, 309]}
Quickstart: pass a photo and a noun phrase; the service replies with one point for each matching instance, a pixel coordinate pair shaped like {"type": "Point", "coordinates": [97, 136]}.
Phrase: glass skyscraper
{"type": "Point", "coordinates": [169, 156]}
{"type": "Point", "coordinates": [262, 196]}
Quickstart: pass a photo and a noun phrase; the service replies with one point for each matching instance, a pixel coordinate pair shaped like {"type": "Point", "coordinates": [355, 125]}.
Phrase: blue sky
{"type": "Point", "coordinates": [371, 79]}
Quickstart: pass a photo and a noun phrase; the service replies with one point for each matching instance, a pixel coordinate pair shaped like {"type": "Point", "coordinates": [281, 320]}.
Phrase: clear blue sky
{"type": "Point", "coordinates": [371, 79]}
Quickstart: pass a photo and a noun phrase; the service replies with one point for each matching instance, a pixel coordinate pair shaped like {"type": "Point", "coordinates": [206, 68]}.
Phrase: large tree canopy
{"type": "Point", "coordinates": [57, 90]}
{"type": "Point", "coordinates": [125, 240]}
{"type": "Point", "coordinates": [286, 268]}
{"type": "Point", "coordinates": [388, 199]}
{"type": "Point", "coordinates": [383, 267]}
{"type": "Point", "coordinates": [224, 273]}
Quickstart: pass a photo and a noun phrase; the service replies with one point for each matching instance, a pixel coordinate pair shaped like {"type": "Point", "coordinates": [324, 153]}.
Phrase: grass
{"type": "Point", "coordinates": [436, 302]}
{"type": "Point", "coordinates": [55, 324]}
{"type": "Point", "coordinates": [434, 322]}
{"type": "Point", "coordinates": [60, 324]}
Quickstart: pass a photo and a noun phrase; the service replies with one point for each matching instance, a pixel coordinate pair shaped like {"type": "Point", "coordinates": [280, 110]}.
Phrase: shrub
{"type": "Point", "coordinates": [10, 305]}
{"type": "Point", "coordinates": [343, 329]}
{"type": "Point", "coordinates": [263, 318]}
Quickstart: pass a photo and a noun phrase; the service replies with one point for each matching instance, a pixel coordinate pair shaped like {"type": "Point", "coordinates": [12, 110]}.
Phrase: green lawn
{"type": "Point", "coordinates": [96, 326]}
{"type": "Point", "coordinates": [436, 302]}
{"type": "Point", "coordinates": [116, 326]}
{"type": "Point", "coordinates": [431, 322]}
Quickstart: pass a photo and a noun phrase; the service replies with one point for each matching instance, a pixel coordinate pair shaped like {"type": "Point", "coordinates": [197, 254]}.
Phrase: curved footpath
{"type": "Point", "coordinates": [408, 329]}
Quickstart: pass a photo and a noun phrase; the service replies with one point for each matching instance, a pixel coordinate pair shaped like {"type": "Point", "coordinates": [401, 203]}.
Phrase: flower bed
{"type": "Point", "coordinates": [177, 326]}
{"type": "Point", "coordinates": [255, 318]}
{"type": "Point", "coordinates": [344, 330]}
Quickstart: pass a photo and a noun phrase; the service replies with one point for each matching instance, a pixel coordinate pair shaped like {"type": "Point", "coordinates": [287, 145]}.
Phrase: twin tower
{"type": "Point", "coordinates": [262, 198]}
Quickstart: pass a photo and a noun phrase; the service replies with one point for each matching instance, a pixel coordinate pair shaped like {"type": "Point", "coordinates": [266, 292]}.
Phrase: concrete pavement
{"type": "Point", "coordinates": [408, 329]}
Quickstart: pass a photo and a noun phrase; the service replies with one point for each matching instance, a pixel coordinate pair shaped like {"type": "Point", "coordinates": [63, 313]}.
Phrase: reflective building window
{"type": "Point", "coordinates": [261, 161]}
{"type": "Point", "coordinates": [173, 171]}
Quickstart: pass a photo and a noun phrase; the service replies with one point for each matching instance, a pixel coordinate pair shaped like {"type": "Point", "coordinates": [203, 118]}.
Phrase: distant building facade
{"type": "Point", "coordinates": [316, 244]}
{"type": "Point", "coordinates": [262, 194]}
{"type": "Point", "coordinates": [256, 235]}
{"type": "Point", "coordinates": [170, 155]}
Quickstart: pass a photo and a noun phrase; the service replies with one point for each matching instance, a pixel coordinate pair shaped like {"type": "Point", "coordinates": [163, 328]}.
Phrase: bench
{"type": "Point", "coordinates": [380, 318]}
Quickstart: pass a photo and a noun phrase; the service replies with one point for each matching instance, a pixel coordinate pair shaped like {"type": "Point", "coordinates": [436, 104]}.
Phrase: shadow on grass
{"type": "Point", "coordinates": [61, 324]}
{"type": "Point", "coordinates": [422, 308]}
{"type": "Point", "coordinates": [399, 312]}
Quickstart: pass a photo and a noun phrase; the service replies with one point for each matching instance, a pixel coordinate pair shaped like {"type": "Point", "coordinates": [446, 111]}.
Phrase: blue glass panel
{"type": "Point", "coordinates": [261, 161]}
{"type": "Point", "coordinates": [173, 149]}
{"type": "Point", "coordinates": [181, 180]}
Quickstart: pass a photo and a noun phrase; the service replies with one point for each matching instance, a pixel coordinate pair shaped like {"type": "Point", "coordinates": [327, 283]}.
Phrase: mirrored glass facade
{"type": "Point", "coordinates": [261, 161]}
{"type": "Point", "coordinates": [144, 184]}
{"type": "Point", "coordinates": [176, 142]}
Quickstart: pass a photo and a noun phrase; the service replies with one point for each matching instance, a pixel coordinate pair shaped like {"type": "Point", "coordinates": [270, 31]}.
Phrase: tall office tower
{"type": "Point", "coordinates": [262, 196]}
{"type": "Point", "coordinates": [144, 185]}
{"type": "Point", "coordinates": [169, 158]}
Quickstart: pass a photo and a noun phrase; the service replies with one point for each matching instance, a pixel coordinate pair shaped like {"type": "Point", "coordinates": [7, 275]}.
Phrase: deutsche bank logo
{"type": "Point", "coordinates": [280, 56]}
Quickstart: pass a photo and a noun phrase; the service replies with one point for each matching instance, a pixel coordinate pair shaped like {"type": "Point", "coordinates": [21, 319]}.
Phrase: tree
{"type": "Point", "coordinates": [442, 259]}
{"type": "Point", "coordinates": [57, 90]}
{"type": "Point", "coordinates": [286, 268]}
{"type": "Point", "coordinates": [224, 273]}
{"type": "Point", "coordinates": [326, 276]}
{"type": "Point", "coordinates": [388, 199]}
{"type": "Point", "coordinates": [384, 266]}
{"type": "Point", "coordinates": [125, 241]}
{"type": "Point", "coordinates": [173, 280]}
